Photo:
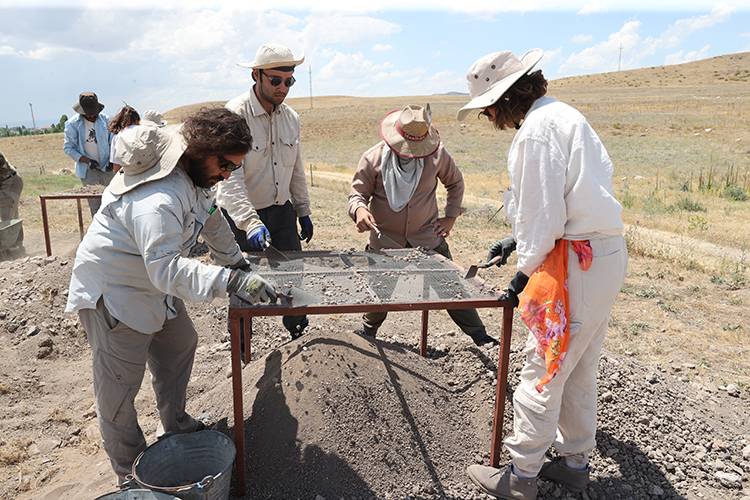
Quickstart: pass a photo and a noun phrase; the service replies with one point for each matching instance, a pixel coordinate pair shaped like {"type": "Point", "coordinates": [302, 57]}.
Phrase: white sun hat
{"type": "Point", "coordinates": [146, 153]}
{"type": "Point", "coordinates": [490, 76]}
{"type": "Point", "coordinates": [154, 116]}
{"type": "Point", "coordinates": [273, 55]}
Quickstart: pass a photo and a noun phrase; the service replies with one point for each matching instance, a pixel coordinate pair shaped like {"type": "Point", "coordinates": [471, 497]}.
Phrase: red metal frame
{"type": "Point", "coordinates": [240, 325]}
{"type": "Point", "coordinates": [63, 196]}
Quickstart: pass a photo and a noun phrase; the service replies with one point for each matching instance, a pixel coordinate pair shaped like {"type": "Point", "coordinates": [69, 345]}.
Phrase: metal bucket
{"type": "Point", "coordinates": [10, 230]}
{"type": "Point", "coordinates": [192, 466]}
{"type": "Point", "coordinates": [137, 494]}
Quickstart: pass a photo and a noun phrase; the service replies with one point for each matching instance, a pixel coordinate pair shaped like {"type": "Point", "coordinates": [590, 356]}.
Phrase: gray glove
{"type": "Point", "coordinates": [502, 248]}
{"type": "Point", "coordinates": [251, 287]}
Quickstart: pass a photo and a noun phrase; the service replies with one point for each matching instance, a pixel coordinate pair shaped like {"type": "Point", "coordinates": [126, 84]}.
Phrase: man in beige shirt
{"type": "Point", "coordinates": [266, 198]}
{"type": "Point", "coordinates": [393, 197]}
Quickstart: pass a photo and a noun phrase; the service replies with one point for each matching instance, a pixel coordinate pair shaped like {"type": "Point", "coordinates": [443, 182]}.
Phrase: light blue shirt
{"type": "Point", "coordinates": [75, 136]}
{"type": "Point", "coordinates": [135, 253]}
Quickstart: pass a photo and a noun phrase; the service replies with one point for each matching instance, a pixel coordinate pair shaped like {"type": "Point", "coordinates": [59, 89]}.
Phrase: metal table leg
{"type": "Point", "coordinates": [500, 389]}
{"type": "Point", "coordinates": [423, 338]}
{"type": "Point", "coordinates": [239, 417]}
{"type": "Point", "coordinates": [45, 226]}
{"type": "Point", "coordinates": [80, 218]}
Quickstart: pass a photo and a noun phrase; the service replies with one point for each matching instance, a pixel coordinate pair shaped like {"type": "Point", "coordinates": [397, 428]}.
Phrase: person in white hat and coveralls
{"type": "Point", "coordinates": [266, 198]}
{"type": "Point", "coordinates": [393, 197]}
{"type": "Point", "coordinates": [567, 232]}
{"type": "Point", "coordinates": [132, 273]}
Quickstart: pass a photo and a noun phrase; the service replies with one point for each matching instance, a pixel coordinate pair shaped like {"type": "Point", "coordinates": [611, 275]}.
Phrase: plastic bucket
{"type": "Point", "coordinates": [191, 466]}
{"type": "Point", "coordinates": [137, 494]}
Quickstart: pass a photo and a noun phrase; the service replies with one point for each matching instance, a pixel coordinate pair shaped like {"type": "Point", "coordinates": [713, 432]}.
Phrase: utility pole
{"type": "Point", "coordinates": [33, 121]}
{"type": "Point", "coordinates": [309, 69]}
{"type": "Point", "coordinates": [619, 59]}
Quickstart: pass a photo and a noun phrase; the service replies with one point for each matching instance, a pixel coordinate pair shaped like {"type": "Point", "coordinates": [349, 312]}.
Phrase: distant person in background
{"type": "Point", "coordinates": [125, 118]}
{"type": "Point", "coordinates": [11, 186]}
{"type": "Point", "coordinates": [87, 141]}
{"type": "Point", "coordinates": [393, 197]}
{"type": "Point", "coordinates": [567, 230]}
{"type": "Point", "coordinates": [154, 117]}
{"type": "Point", "coordinates": [264, 200]}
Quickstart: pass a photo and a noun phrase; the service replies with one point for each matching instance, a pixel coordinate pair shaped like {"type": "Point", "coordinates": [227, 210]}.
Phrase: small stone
{"type": "Point", "coordinates": [652, 378]}
{"type": "Point", "coordinates": [45, 341]}
{"type": "Point", "coordinates": [607, 397]}
{"type": "Point", "coordinates": [729, 479]}
{"type": "Point", "coordinates": [32, 330]}
{"type": "Point", "coordinates": [746, 452]}
{"type": "Point", "coordinates": [733, 390]}
{"type": "Point", "coordinates": [44, 352]}
{"type": "Point", "coordinates": [656, 490]}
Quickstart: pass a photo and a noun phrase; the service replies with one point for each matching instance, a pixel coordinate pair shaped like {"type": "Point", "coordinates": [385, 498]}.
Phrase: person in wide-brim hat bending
{"type": "Point", "coordinates": [393, 197]}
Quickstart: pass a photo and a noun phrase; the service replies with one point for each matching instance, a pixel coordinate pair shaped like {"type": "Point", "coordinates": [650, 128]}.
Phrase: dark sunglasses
{"type": "Point", "coordinates": [226, 165]}
{"type": "Point", "coordinates": [276, 80]}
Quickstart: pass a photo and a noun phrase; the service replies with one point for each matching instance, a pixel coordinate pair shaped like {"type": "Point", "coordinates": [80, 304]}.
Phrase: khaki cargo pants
{"type": "Point", "coordinates": [120, 356]}
{"type": "Point", "coordinates": [564, 413]}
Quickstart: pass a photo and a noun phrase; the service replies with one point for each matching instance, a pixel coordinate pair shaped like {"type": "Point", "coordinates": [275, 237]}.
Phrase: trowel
{"type": "Point", "coordinates": [475, 267]}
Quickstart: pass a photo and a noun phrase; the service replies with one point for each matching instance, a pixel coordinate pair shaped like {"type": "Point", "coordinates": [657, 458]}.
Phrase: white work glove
{"type": "Point", "coordinates": [251, 287]}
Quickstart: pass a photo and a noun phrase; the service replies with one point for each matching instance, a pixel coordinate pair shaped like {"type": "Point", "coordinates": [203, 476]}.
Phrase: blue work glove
{"type": "Point", "coordinates": [305, 223]}
{"type": "Point", "coordinates": [259, 238]}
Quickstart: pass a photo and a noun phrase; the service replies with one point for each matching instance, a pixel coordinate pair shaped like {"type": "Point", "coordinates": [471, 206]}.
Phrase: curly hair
{"type": "Point", "coordinates": [124, 118]}
{"type": "Point", "coordinates": [216, 131]}
{"type": "Point", "coordinates": [512, 107]}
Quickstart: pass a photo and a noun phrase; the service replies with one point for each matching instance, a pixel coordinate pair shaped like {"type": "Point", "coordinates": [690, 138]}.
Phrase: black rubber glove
{"type": "Point", "coordinates": [516, 286]}
{"type": "Point", "coordinates": [243, 264]}
{"type": "Point", "coordinates": [504, 248]}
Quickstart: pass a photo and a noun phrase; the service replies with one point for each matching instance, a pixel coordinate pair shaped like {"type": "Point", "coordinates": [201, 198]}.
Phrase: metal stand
{"type": "Point", "coordinates": [63, 196]}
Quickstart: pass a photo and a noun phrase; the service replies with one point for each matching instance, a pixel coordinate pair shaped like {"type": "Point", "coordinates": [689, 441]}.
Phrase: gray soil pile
{"type": "Point", "coordinates": [343, 416]}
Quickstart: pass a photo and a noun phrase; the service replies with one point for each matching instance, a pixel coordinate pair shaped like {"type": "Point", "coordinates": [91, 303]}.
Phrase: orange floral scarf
{"type": "Point", "coordinates": [545, 306]}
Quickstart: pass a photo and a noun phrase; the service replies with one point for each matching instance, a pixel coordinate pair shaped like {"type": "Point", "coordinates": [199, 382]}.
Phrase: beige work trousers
{"type": "Point", "coordinates": [120, 355]}
{"type": "Point", "coordinates": [564, 413]}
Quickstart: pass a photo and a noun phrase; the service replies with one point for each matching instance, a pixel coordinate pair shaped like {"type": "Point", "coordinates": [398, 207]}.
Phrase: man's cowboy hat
{"type": "Point", "coordinates": [88, 104]}
{"type": "Point", "coordinates": [145, 153]}
{"type": "Point", "coordinates": [153, 116]}
{"type": "Point", "coordinates": [273, 55]}
{"type": "Point", "coordinates": [490, 76]}
{"type": "Point", "coordinates": [409, 132]}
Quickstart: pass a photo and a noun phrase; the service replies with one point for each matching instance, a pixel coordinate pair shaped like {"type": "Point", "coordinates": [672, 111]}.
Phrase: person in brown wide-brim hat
{"type": "Point", "coordinates": [409, 132]}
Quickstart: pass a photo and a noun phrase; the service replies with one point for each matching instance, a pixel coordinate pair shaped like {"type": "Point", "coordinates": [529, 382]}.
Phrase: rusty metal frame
{"type": "Point", "coordinates": [241, 326]}
{"type": "Point", "coordinates": [43, 198]}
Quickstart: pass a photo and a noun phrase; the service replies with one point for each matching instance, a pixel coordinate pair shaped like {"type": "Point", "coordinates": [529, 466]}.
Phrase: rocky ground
{"type": "Point", "coordinates": [337, 415]}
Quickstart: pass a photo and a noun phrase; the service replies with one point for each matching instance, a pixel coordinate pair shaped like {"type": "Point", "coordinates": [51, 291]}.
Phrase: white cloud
{"type": "Point", "coordinates": [381, 47]}
{"type": "Point", "coordinates": [605, 56]}
{"type": "Point", "coordinates": [581, 38]}
{"type": "Point", "coordinates": [683, 57]}
{"type": "Point", "coordinates": [592, 7]}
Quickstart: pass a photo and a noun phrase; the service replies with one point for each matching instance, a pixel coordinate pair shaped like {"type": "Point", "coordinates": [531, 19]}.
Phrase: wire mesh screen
{"type": "Point", "coordinates": [352, 277]}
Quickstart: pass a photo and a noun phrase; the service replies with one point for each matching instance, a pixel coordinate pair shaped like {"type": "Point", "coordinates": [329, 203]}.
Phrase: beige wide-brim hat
{"type": "Point", "coordinates": [146, 153]}
{"type": "Point", "coordinates": [153, 116]}
{"type": "Point", "coordinates": [273, 55]}
{"type": "Point", "coordinates": [409, 132]}
{"type": "Point", "coordinates": [490, 76]}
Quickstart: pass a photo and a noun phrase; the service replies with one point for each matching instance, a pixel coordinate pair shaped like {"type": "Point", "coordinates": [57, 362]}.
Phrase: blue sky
{"type": "Point", "coordinates": [186, 52]}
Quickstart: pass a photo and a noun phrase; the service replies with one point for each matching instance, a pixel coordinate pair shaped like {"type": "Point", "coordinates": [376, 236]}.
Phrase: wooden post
{"type": "Point", "coordinates": [80, 218]}
{"type": "Point", "coordinates": [239, 416]}
{"type": "Point", "coordinates": [500, 388]}
{"type": "Point", "coordinates": [423, 338]}
{"type": "Point", "coordinates": [45, 226]}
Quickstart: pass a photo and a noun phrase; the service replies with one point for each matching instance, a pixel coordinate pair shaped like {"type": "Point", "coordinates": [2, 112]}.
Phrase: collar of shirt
{"type": "Point", "coordinates": [257, 108]}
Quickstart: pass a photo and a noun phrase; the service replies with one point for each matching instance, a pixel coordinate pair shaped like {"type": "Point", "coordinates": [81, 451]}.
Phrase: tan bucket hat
{"type": "Point", "coordinates": [145, 153]}
{"type": "Point", "coordinates": [154, 116]}
{"type": "Point", "coordinates": [88, 104]}
{"type": "Point", "coordinates": [490, 76]}
{"type": "Point", "coordinates": [409, 132]}
{"type": "Point", "coordinates": [273, 55]}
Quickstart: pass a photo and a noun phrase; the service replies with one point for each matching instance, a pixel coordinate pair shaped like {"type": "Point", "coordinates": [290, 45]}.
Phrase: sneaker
{"type": "Point", "coordinates": [502, 483]}
{"type": "Point", "coordinates": [366, 331]}
{"type": "Point", "coordinates": [558, 471]}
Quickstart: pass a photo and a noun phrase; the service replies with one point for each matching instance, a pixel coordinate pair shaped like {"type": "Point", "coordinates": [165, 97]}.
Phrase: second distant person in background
{"type": "Point", "coordinates": [125, 118]}
{"type": "Point", "coordinates": [87, 141]}
{"type": "Point", "coordinates": [265, 199]}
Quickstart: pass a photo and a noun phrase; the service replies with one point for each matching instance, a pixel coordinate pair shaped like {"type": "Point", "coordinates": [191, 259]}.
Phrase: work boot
{"type": "Point", "coordinates": [502, 483]}
{"type": "Point", "coordinates": [558, 471]}
{"type": "Point", "coordinates": [294, 326]}
{"type": "Point", "coordinates": [481, 338]}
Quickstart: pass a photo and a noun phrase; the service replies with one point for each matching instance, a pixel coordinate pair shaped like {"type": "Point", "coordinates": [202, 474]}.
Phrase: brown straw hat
{"type": "Point", "coordinates": [409, 132]}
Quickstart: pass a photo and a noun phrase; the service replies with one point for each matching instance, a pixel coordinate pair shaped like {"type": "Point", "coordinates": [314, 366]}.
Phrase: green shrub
{"type": "Point", "coordinates": [735, 192]}
{"type": "Point", "coordinates": [689, 205]}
